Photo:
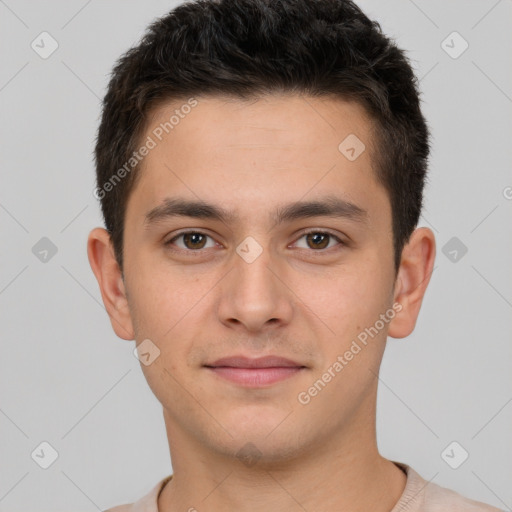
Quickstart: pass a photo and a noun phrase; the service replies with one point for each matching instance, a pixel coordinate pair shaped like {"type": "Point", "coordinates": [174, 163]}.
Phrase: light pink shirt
{"type": "Point", "coordinates": [419, 496]}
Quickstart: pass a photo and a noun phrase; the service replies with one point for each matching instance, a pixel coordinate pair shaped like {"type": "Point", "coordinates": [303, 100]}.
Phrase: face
{"type": "Point", "coordinates": [259, 272]}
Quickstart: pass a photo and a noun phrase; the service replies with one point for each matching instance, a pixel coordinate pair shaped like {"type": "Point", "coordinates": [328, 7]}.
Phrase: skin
{"type": "Point", "coordinates": [295, 300]}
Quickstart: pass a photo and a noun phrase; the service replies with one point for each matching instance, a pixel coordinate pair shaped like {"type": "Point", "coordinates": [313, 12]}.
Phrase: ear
{"type": "Point", "coordinates": [416, 266]}
{"type": "Point", "coordinates": [108, 274]}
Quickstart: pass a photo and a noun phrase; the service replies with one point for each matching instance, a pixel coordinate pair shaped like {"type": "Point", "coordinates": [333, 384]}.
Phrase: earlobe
{"type": "Point", "coordinates": [416, 267]}
{"type": "Point", "coordinates": [108, 274]}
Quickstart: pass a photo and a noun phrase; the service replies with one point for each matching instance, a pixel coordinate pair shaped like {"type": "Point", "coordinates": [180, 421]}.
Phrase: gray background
{"type": "Point", "coordinates": [65, 378]}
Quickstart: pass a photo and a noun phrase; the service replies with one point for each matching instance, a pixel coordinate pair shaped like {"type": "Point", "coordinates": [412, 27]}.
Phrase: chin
{"type": "Point", "coordinates": [261, 453]}
{"type": "Point", "coordinates": [263, 445]}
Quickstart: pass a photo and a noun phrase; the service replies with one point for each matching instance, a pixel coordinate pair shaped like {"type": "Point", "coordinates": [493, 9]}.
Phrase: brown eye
{"type": "Point", "coordinates": [318, 240]}
{"type": "Point", "coordinates": [191, 240]}
{"type": "Point", "coordinates": [194, 240]}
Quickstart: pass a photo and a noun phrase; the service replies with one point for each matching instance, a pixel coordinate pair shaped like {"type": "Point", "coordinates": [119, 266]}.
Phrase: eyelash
{"type": "Point", "coordinates": [199, 251]}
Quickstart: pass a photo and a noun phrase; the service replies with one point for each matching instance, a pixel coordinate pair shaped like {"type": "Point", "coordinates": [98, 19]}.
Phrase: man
{"type": "Point", "coordinates": [260, 166]}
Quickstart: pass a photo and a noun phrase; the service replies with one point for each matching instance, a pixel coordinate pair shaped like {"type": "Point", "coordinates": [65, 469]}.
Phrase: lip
{"type": "Point", "coordinates": [258, 372]}
{"type": "Point", "coordinates": [259, 362]}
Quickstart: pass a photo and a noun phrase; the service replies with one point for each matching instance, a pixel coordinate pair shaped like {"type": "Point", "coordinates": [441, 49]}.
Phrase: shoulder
{"type": "Point", "coordinates": [439, 499]}
{"type": "Point", "coordinates": [147, 503]}
{"type": "Point", "coordinates": [422, 495]}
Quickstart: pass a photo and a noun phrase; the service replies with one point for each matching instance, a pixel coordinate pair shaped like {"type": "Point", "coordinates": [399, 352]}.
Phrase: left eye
{"type": "Point", "coordinates": [319, 239]}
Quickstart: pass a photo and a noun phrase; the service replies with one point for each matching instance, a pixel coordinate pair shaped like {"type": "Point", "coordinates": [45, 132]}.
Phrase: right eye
{"type": "Point", "coordinates": [192, 241]}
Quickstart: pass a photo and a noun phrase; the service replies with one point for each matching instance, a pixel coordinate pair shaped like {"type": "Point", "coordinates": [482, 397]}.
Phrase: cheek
{"type": "Point", "coordinates": [355, 300]}
{"type": "Point", "coordinates": [161, 313]}
{"type": "Point", "coordinates": [166, 308]}
{"type": "Point", "coordinates": [163, 300]}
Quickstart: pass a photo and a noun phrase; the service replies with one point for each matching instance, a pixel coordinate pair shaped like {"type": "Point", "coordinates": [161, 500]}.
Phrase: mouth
{"type": "Point", "coordinates": [259, 372]}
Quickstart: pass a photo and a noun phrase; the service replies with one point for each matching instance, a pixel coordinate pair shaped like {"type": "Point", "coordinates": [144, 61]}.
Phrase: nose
{"type": "Point", "coordinates": [254, 295]}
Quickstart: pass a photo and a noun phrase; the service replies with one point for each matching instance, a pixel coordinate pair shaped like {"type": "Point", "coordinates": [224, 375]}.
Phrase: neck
{"type": "Point", "coordinates": [344, 473]}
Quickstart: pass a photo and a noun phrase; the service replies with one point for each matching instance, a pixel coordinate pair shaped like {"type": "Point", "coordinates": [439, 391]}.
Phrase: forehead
{"type": "Point", "coordinates": [251, 153]}
{"type": "Point", "coordinates": [276, 119]}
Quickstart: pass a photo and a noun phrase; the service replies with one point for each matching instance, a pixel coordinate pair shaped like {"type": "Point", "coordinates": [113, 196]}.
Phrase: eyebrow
{"type": "Point", "coordinates": [329, 206]}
